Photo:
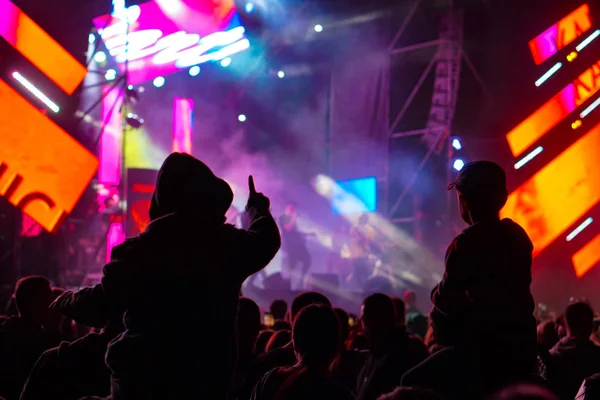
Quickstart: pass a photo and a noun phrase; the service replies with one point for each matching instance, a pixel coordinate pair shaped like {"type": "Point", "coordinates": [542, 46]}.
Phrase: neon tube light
{"type": "Point", "coordinates": [548, 74]}
{"type": "Point", "coordinates": [588, 40]}
{"type": "Point", "coordinates": [182, 125]}
{"type": "Point", "coordinates": [529, 157]}
{"type": "Point", "coordinates": [579, 229]}
{"type": "Point", "coordinates": [590, 108]}
{"type": "Point", "coordinates": [36, 92]}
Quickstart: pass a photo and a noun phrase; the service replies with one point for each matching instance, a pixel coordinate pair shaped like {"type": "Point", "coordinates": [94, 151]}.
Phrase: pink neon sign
{"type": "Point", "coordinates": [167, 35]}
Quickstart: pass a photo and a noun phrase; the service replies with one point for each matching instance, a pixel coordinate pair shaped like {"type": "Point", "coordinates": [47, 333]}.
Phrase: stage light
{"type": "Point", "coordinates": [193, 71]}
{"type": "Point", "coordinates": [548, 74]}
{"type": "Point", "coordinates": [456, 144]}
{"type": "Point", "coordinates": [226, 62]}
{"type": "Point", "coordinates": [576, 124]}
{"type": "Point", "coordinates": [134, 121]}
{"type": "Point", "coordinates": [458, 164]}
{"type": "Point", "coordinates": [579, 229]}
{"type": "Point", "coordinates": [36, 92]}
{"type": "Point", "coordinates": [571, 56]}
{"type": "Point", "coordinates": [100, 57]}
{"type": "Point", "coordinates": [318, 28]}
{"type": "Point", "coordinates": [242, 118]}
{"type": "Point", "coordinates": [110, 74]}
{"type": "Point", "coordinates": [529, 157]}
{"type": "Point", "coordinates": [249, 7]}
{"type": "Point", "coordinates": [281, 74]}
{"type": "Point", "coordinates": [91, 38]}
{"type": "Point", "coordinates": [132, 95]}
{"type": "Point", "coordinates": [588, 40]}
{"type": "Point", "coordinates": [159, 81]}
{"type": "Point", "coordinates": [590, 108]}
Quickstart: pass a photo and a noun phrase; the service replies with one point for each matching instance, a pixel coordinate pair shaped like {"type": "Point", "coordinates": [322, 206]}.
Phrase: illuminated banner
{"type": "Point", "coordinates": [166, 35]}
{"type": "Point", "coordinates": [39, 48]}
{"type": "Point", "coordinates": [43, 170]}
{"type": "Point", "coordinates": [560, 34]}
{"type": "Point", "coordinates": [554, 111]}
{"type": "Point", "coordinates": [183, 117]}
{"type": "Point", "coordinates": [560, 193]}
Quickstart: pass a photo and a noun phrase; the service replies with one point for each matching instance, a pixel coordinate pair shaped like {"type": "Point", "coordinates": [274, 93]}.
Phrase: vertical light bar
{"type": "Point", "coordinates": [183, 119]}
{"type": "Point", "coordinates": [111, 139]}
{"type": "Point", "coordinates": [114, 237]}
{"type": "Point", "coordinates": [586, 257]}
{"type": "Point", "coordinates": [40, 48]}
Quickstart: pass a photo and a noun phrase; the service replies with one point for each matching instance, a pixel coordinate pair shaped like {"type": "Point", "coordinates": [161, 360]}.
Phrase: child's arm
{"type": "Point", "coordinates": [450, 296]}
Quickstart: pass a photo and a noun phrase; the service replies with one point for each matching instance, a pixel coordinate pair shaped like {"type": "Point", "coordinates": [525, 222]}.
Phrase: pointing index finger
{"type": "Point", "coordinates": [251, 185]}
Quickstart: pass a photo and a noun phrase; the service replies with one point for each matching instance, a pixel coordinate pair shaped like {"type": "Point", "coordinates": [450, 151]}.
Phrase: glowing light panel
{"type": "Point", "coordinates": [36, 92]}
{"type": "Point", "coordinates": [561, 34]}
{"type": "Point", "coordinates": [355, 196]}
{"type": "Point", "coordinates": [579, 229]}
{"type": "Point", "coordinates": [115, 237]}
{"type": "Point", "coordinates": [40, 48]}
{"type": "Point", "coordinates": [554, 111]}
{"type": "Point", "coordinates": [587, 257]}
{"type": "Point", "coordinates": [43, 170]}
{"type": "Point", "coordinates": [183, 121]}
{"type": "Point", "coordinates": [560, 193]}
{"type": "Point", "coordinates": [165, 36]}
{"type": "Point", "coordinates": [111, 138]}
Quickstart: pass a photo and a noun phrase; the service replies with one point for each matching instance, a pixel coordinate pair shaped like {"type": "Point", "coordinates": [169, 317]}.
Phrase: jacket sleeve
{"type": "Point", "coordinates": [450, 296]}
{"type": "Point", "coordinates": [93, 306]}
{"type": "Point", "coordinates": [259, 244]}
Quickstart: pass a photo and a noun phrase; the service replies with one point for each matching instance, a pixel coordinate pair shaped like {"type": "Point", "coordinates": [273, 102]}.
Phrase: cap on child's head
{"type": "Point", "coordinates": [480, 177]}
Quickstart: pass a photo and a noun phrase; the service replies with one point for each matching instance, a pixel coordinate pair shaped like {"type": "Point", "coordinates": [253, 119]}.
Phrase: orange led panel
{"type": "Point", "coordinates": [587, 257]}
{"type": "Point", "coordinates": [561, 34]}
{"type": "Point", "coordinates": [554, 111]}
{"type": "Point", "coordinates": [43, 170]}
{"type": "Point", "coordinates": [40, 48]}
{"type": "Point", "coordinates": [560, 193]}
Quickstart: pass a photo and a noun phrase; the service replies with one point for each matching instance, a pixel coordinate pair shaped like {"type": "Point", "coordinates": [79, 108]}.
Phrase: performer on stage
{"type": "Point", "coordinates": [294, 242]}
{"type": "Point", "coordinates": [362, 248]}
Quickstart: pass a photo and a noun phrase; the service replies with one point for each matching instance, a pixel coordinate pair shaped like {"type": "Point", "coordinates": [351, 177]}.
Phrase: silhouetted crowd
{"type": "Point", "coordinates": [168, 320]}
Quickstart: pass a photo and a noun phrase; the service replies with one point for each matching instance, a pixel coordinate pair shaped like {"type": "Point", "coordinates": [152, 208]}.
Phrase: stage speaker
{"type": "Point", "coordinates": [324, 282]}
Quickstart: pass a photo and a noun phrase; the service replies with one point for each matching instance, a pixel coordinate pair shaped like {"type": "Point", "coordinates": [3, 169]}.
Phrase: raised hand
{"type": "Point", "coordinates": [258, 203]}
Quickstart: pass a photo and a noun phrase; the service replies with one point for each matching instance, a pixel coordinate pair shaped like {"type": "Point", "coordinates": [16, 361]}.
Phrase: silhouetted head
{"type": "Point", "coordinates": [306, 299]}
{"type": "Point", "coordinates": [281, 325]}
{"type": "Point", "coordinates": [186, 185]}
{"type": "Point", "coordinates": [248, 325]}
{"type": "Point", "coordinates": [410, 394]}
{"type": "Point", "coordinates": [344, 324]}
{"type": "Point", "coordinates": [279, 340]}
{"type": "Point", "coordinates": [33, 296]}
{"type": "Point", "coordinates": [410, 298]}
{"type": "Point", "coordinates": [524, 392]}
{"type": "Point", "coordinates": [279, 309]}
{"type": "Point", "coordinates": [400, 308]}
{"type": "Point", "coordinates": [378, 316]}
{"type": "Point", "coordinates": [481, 191]}
{"type": "Point", "coordinates": [579, 319]}
{"type": "Point", "coordinates": [316, 336]}
{"type": "Point", "coordinates": [547, 336]}
{"type": "Point", "coordinates": [262, 341]}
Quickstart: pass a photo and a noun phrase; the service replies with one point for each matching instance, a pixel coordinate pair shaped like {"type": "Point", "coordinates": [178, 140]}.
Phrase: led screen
{"type": "Point", "coordinates": [167, 35]}
{"type": "Point", "coordinates": [355, 196]}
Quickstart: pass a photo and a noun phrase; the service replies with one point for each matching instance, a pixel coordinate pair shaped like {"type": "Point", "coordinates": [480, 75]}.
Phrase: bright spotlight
{"type": "Point", "coordinates": [110, 74]}
{"type": "Point", "coordinates": [242, 118]}
{"type": "Point", "coordinates": [318, 28]}
{"type": "Point", "coordinates": [226, 62]}
{"type": "Point", "coordinates": [195, 70]}
{"type": "Point", "coordinates": [458, 164]}
{"type": "Point", "coordinates": [159, 81]}
{"type": "Point", "coordinates": [100, 57]}
{"type": "Point", "coordinates": [91, 38]}
{"type": "Point", "coordinates": [281, 74]}
{"type": "Point", "coordinates": [249, 7]}
{"type": "Point", "coordinates": [456, 144]}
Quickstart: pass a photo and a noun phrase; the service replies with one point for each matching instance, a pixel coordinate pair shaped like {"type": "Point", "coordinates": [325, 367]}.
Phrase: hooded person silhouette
{"type": "Point", "coordinates": [177, 285]}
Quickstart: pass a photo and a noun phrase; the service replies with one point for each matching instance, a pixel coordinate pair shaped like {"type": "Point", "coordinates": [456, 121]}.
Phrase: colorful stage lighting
{"type": "Point", "coordinates": [242, 118]}
{"type": "Point", "coordinates": [456, 144]}
{"type": "Point", "coordinates": [587, 257]}
{"type": "Point", "coordinates": [183, 121]}
{"type": "Point", "coordinates": [194, 71]}
{"type": "Point", "coordinates": [588, 40]}
{"type": "Point", "coordinates": [249, 7]}
{"type": "Point", "coordinates": [576, 124]}
{"type": "Point", "coordinates": [529, 157]}
{"type": "Point", "coordinates": [548, 74]}
{"type": "Point", "coordinates": [91, 38]}
{"type": "Point", "coordinates": [590, 108]}
{"type": "Point", "coordinates": [561, 34]}
{"type": "Point", "coordinates": [458, 164]}
{"type": "Point", "coordinates": [110, 74]}
{"type": "Point", "coordinates": [579, 229]}
{"type": "Point", "coordinates": [111, 137]}
{"type": "Point", "coordinates": [159, 81]}
{"type": "Point", "coordinates": [318, 28]}
{"type": "Point", "coordinates": [100, 57]}
{"type": "Point", "coordinates": [281, 74]}
{"type": "Point", "coordinates": [165, 36]}
{"type": "Point", "coordinates": [226, 62]}
{"type": "Point", "coordinates": [36, 92]}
